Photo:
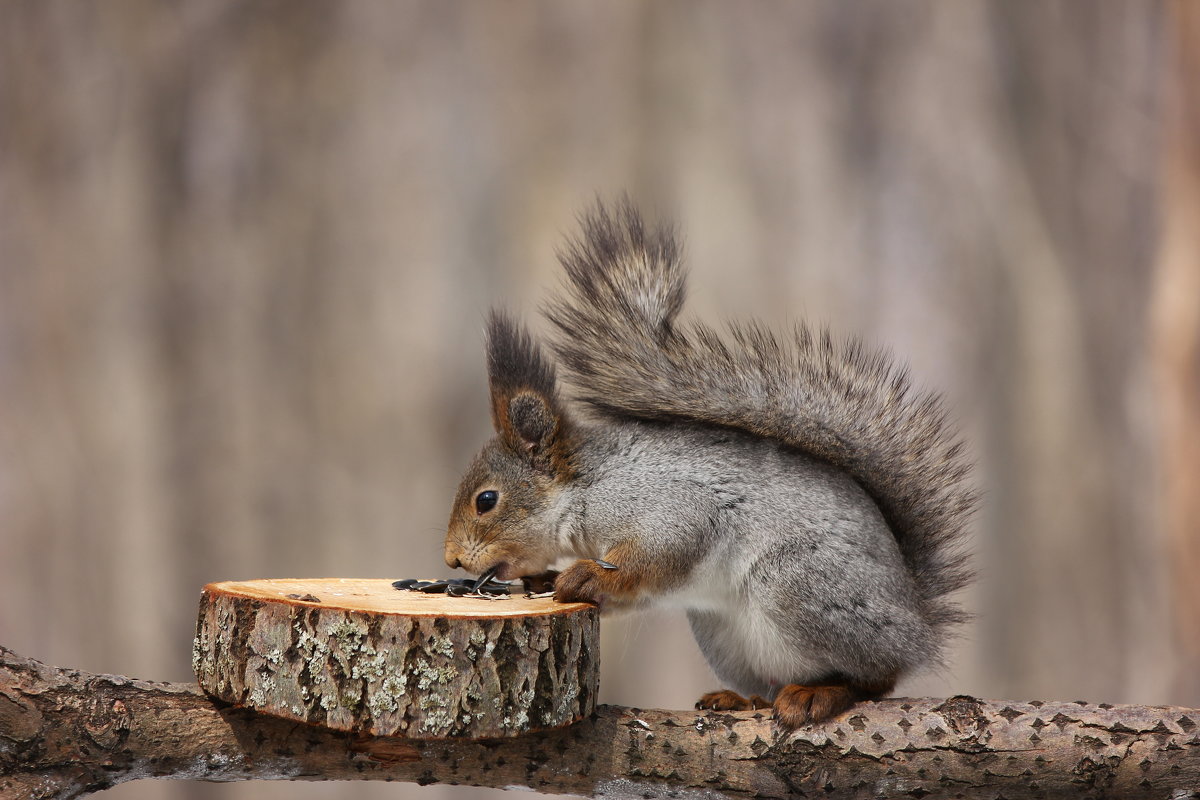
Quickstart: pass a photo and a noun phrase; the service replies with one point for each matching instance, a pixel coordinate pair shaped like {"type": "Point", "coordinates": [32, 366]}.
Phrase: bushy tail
{"type": "Point", "coordinates": [623, 351]}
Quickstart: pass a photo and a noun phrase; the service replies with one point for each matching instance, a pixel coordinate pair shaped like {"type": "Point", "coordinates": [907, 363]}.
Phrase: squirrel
{"type": "Point", "coordinates": [796, 496]}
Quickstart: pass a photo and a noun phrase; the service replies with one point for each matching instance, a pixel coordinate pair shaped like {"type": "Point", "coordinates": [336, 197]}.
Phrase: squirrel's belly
{"type": "Point", "coordinates": [740, 641]}
{"type": "Point", "coordinates": [751, 655]}
{"type": "Point", "coordinates": [771, 657]}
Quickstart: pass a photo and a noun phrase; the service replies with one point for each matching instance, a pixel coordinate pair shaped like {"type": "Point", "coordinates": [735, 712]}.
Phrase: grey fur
{"type": "Point", "coordinates": [796, 498]}
{"type": "Point", "coordinates": [622, 349]}
{"type": "Point", "coordinates": [786, 568]}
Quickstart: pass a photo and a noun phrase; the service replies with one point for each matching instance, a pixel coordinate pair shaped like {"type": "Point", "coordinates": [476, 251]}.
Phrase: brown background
{"type": "Point", "coordinates": [246, 249]}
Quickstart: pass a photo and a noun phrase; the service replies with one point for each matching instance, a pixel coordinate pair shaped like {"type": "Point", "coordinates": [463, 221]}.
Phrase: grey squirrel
{"type": "Point", "coordinates": [795, 496]}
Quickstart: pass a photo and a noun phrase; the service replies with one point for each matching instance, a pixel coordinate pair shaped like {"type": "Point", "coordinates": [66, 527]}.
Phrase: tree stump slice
{"type": "Point", "coordinates": [368, 658]}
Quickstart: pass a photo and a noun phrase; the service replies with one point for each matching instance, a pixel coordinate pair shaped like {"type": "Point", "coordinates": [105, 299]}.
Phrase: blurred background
{"type": "Point", "coordinates": [246, 250]}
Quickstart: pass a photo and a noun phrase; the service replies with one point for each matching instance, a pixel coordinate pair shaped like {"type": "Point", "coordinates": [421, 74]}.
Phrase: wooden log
{"type": "Point", "coordinates": [64, 733]}
{"type": "Point", "coordinates": [359, 655]}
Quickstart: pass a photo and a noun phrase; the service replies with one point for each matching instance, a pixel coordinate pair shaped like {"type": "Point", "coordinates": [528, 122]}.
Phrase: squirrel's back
{"type": "Point", "coordinates": [626, 355]}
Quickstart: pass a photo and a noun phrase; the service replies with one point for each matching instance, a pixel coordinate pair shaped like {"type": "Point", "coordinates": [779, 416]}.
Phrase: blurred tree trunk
{"type": "Point", "coordinates": [1177, 338]}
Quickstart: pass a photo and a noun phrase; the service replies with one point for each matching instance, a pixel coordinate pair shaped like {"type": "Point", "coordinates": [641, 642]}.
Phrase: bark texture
{"type": "Point", "coordinates": [357, 655]}
{"type": "Point", "coordinates": [64, 733]}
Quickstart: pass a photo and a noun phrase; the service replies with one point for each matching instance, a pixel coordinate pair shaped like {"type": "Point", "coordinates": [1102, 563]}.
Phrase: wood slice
{"type": "Point", "coordinates": [366, 657]}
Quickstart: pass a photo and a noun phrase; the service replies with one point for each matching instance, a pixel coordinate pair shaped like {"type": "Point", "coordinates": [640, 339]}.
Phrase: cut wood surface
{"type": "Point", "coordinates": [359, 655]}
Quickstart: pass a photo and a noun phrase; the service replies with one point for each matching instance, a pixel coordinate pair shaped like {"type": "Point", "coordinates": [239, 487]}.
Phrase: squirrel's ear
{"type": "Point", "coordinates": [526, 410]}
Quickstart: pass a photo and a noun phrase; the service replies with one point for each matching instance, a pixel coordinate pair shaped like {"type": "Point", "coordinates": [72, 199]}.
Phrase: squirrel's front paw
{"type": "Point", "coordinates": [542, 582]}
{"type": "Point", "coordinates": [597, 582]}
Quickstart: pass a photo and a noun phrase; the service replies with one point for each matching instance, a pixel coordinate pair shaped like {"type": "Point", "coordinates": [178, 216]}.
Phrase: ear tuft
{"type": "Point", "coordinates": [515, 364]}
{"type": "Point", "coordinates": [526, 410]}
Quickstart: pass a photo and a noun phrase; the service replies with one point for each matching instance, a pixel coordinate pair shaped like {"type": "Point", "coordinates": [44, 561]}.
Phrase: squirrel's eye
{"type": "Point", "coordinates": [486, 501]}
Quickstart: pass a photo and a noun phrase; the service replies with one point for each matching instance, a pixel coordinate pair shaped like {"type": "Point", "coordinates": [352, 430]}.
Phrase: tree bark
{"type": "Point", "coordinates": [357, 655]}
{"type": "Point", "coordinates": [64, 733]}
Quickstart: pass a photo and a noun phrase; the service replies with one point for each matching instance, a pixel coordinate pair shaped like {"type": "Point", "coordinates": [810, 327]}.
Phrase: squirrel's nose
{"type": "Point", "coordinates": [453, 552]}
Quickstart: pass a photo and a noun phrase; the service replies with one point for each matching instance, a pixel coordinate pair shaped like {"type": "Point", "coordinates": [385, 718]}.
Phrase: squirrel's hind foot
{"type": "Point", "coordinates": [726, 700]}
{"type": "Point", "coordinates": [797, 705]}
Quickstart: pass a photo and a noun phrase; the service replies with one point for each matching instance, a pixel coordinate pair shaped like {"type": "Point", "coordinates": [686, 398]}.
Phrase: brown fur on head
{"type": "Point", "coordinates": [504, 512]}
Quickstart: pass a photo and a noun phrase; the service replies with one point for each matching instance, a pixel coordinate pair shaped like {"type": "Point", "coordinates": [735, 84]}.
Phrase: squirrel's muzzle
{"type": "Point", "coordinates": [453, 555]}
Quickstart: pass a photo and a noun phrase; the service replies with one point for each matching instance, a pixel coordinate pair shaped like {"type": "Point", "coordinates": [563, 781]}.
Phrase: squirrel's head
{"type": "Point", "coordinates": [505, 513]}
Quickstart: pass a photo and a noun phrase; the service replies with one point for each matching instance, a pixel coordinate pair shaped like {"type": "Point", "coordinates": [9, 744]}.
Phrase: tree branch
{"type": "Point", "coordinates": [64, 733]}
